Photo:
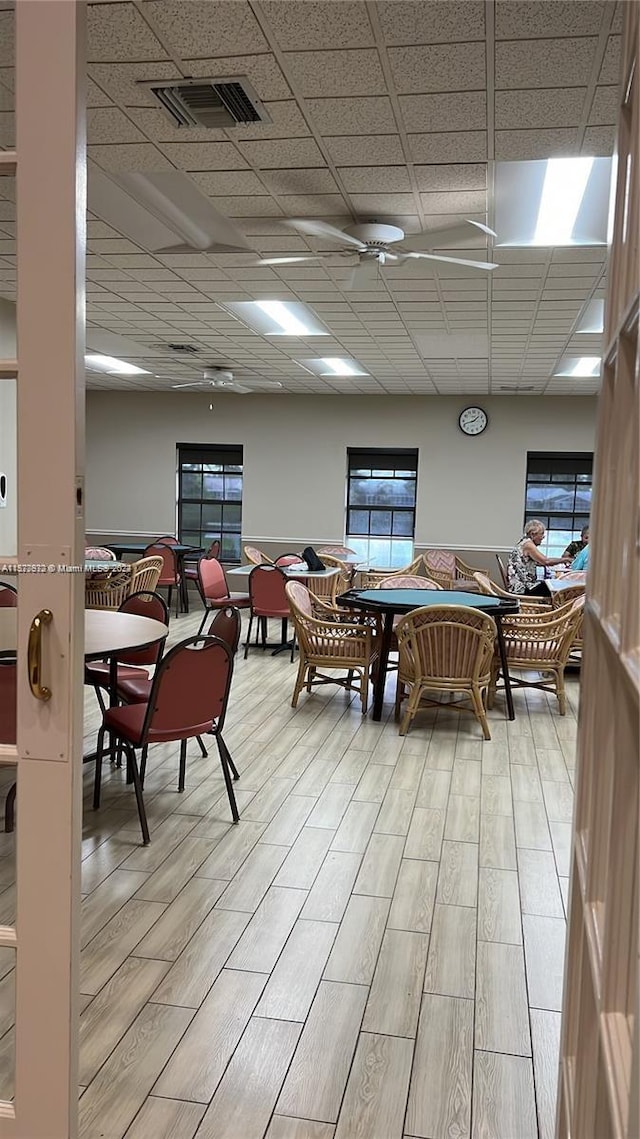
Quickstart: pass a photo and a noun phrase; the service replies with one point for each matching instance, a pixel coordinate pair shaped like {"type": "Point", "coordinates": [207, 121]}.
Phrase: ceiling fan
{"type": "Point", "coordinates": [221, 379]}
{"type": "Point", "coordinates": [371, 243]}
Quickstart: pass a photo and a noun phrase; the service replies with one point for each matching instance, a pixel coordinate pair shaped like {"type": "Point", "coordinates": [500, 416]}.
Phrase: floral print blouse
{"type": "Point", "coordinates": [521, 571]}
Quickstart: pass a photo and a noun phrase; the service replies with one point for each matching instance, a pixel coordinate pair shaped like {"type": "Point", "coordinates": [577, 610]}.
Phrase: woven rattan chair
{"type": "Point", "coordinates": [98, 554]}
{"type": "Point", "coordinates": [335, 641]}
{"type": "Point", "coordinates": [463, 571]}
{"type": "Point", "coordinates": [445, 648]}
{"type": "Point", "coordinates": [564, 596]}
{"type": "Point", "coordinates": [337, 552]}
{"type": "Point", "coordinates": [107, 588]}
{"type": "Point", "coordinates": [145, 575]}
{"type": "Point", "coordinates": [256, 556]}
{"type": "Point", "coordinates": [503, 571]}
{"type": "Point", "coordinates": [328, 588]}
{"type": "Point", "coordinates": [540, 643]}
{"type": "Point", "coordinates": [440, 566]}
{"type": "Point", "coordinates": [527, 604]}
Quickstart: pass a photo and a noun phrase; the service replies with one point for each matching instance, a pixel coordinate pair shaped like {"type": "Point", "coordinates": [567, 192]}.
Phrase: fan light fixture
{"type": "Point", "coordinates": [113, 366]}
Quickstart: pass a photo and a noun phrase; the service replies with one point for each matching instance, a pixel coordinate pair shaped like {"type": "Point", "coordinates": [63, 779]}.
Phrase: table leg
{"type": "Point", "coordinates": [381, 673]}
{"type": "Point", "coordinates": [505, 670]}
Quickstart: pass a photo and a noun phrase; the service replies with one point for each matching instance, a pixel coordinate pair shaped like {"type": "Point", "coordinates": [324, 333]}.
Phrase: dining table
{"type": "Point", "coordinates": [293, 571]}
{"type": "Point", "coordinates": [182, 551]}
{"type": "Point", "coordinates": [389, 603]}
{"type": "Point", "coordinates": [567, 581]}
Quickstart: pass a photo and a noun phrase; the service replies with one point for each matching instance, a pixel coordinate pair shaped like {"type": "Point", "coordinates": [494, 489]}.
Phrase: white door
{"type": "Point", "coordinates": [44, 494]}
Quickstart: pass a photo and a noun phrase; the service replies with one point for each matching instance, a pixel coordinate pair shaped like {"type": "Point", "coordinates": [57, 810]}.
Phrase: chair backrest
{"type": "Point", "coordinates": [289, 560]}
{"type": "Point", "coordinates": [226, 627]}
{"type": "Point", "coordinates": [169, 569]}
{"type": "Point", "coordinates": [8, 691]}
{"type": "Point", "coordinates": [407, 581]}
{"type": "Point", "coordinates": [503, 571]}
{"type": "Point", "coordinates": [190, 689]}
{"type": "Point", "coordinates": [446, 642]}
{"type": "Point", "coordinates": [144, 603]}
{"type": "Point", "coordinates": [145, 575]}
{"type": "Point", "coordinates": [99, 554]}
{"type": "Point", "coordinates": [168, 540]}
{"type": "Point", "coordinates": [8, 595]}
{"type": "Point", "coordinates": [440, 562]}
{"type": "Point", "coordinates": [561, 597]}
{"type": "Point", "coordinates": [267, 592]}
{"type": "Point", "coordinates": [213, 583]}
{"type": "Point", "coordinates": [214, 549]}
{"type": "Point", "coordinates": [338, 551]}
{"type": "Point", "coordinates": [256, 556]}
{"type": "Point", "coordinates": [299, 598]}
{"type": "Point", "coordinates": [489, 587]}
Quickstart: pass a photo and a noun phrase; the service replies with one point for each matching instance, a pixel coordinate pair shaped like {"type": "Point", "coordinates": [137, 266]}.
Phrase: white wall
{"type": "Point", "coordinates": [8, 457]}
{"type": "Point", "coordinates": [470, 490]}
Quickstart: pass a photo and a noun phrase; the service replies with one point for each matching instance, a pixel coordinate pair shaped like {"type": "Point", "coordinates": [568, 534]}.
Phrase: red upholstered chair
{"type": "Point", "coordinates": [188, 698]}
{"type": "Point", "coordinates": [8, 595]}
{"type": "Point", "coordinates": [289, 560]}
{"type": "Point", "coordinates": [168, 540]}
{"type": "Point", "coordinates": [8, 728]}
{"type": "Point", "coordinates": [214, 589]}
{"type": "Point", "coordinates": [169, 576]}
{"type": "Point", "coordinates": [191, 565]}
{"type": "Point", "coordinates": [268, 599]}
{"type": "Point", "coordinates": [226, 626]}
{"type": "Point", "coordinates": [131, 665]}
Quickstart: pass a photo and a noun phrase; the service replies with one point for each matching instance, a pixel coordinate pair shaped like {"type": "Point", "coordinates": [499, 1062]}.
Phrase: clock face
{"type": "Point", "coordinates": [473, 420]}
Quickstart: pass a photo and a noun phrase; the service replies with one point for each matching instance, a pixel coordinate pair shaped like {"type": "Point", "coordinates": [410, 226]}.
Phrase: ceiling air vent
{"type": "Point", "coordinates": [515, 387]}
{"type": "Point", "coordinates": [186, 348]}
{"type": "Point", "coordinates": [210, 103]}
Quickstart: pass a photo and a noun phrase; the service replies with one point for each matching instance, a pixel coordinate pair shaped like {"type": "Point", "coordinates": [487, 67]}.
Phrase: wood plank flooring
{"type": "Point", "coordinates": [374, 952]}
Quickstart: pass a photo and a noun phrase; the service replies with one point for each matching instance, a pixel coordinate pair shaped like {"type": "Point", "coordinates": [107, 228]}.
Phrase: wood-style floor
{"type": "Point", "coordinates": [374, 952]}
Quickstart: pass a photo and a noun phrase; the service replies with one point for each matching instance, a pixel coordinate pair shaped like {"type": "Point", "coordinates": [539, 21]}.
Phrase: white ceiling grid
{"type": "Point", "coordinates": [393, 110]}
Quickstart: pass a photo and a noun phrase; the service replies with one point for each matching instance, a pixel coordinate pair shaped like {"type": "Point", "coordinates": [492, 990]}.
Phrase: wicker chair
{"type": "Point", "coordinates": [527, 604]}
{"type": "Point", "coordinates": [370, 579]}
{"type": "Point", "coordinates": [256, 556]}
{"type": "Point", "coordinates": [145, 575]}
{"type": "Point", "coordinates": [503, 571]}
{"type": "Point", "coordinates": [328, 588]}
{"type": "Point", "coordinates": [329, 639]}
{"type": "Point", "coordinates": [98, 554]}
{"type": "Point", "coordinates": [337, 551]}
{"type": "Point", "coordinates": [540, 642]}
{"type": "Point", "coordinates": [107, 588]}
{"type": "Point", "coordinates": [445, 648]}
{"type": "Point", "coordinates": [440, 566]}
{"type": "Point", "coordinates": [563, 596]}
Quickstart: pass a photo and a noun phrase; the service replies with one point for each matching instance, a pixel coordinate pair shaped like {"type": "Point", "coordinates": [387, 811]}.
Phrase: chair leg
{"type": "Point", "coordinates": [9, 809]}
{"type": "Point", "coordinates": [246, 643]}
{"type": "Point", "coordinates": [169, 592]}
{"type": "Point", "coordinates": [560, 692]}
{"type": "Point", "coordinates": [263, 627]}
{"type": "Point", "coordinates": [222, 751]}
{"type": "Point", "coordinates": [203, 751]}
{"type": "Point", "coordinates": [478, 707]}
{"type": "Point", "coordinates": [143, 764]}
{"type": "Point", "coordinates": [99, 698]}
{"type": "Point", "coordinates": [300, 682]}
{"type": "Point", "coordinates": [232, 767]}
{"type": "Point", "coordinates": [97, 782]}
{"type": "Point", "coordinates": [183, 764]}
{"type": "Point", "coordinates": [142, 814]}
{"type": "Point", "coordinates": [204, 619]}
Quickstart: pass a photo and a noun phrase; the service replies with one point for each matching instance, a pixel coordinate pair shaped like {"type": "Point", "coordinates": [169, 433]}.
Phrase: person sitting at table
{"type": "Point", "coordinates": [581, 561]}
{"type": "Point", "coordinates": [574, 548]}
{"type": "Point", "coordinates": [524, 560]}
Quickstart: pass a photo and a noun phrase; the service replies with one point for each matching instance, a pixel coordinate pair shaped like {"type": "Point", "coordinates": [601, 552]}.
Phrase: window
{"type": "Point", "coordinates": [381, 505]}
{"type": "Point", "coordinates": [559, 494]}
{"type": "Point", "coordinates": [210, 496]}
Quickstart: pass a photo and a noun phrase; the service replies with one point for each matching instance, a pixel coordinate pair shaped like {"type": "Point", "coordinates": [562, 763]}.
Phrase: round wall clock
{"type": "Point", "coordinates": [473, 420]}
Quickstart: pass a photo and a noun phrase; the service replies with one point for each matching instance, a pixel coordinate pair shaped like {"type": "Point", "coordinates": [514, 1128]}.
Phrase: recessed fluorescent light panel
{"type": "Point", "coordinates": [553, 202]}
{"type": "Point", "coordinates": [333, 366]}
{"type": "Point", "coordinates": [579, 366]}
{"type": "Point", "coordinates": [277, 318]}
{"type": "Point", "coordinates": [592, 319]}
{"type": "Point", "coordinates": [113, 367]}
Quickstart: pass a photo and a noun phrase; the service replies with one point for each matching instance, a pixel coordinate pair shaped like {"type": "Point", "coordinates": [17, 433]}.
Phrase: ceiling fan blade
{"type": "Point", "coordinates": [365, 271]}
{"type": "Point", "coordinates": [323, 229]}
{"type": "Point", "coordinates": [488, 265]}
{"type": "Point", "coordinates": [447, 235]}
{"type": "Point", "coordinates": [288, 260]}
{"type": "Point", "coordinates": [195, 384]}
{"type": "Point", "coordinates": [239, 388]}
{"type": "Point", "coordinates": [262, 383]}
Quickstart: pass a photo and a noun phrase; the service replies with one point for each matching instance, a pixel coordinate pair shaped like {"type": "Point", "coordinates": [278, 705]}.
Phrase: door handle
{"type": "Point", "coordinates": [34, 654]}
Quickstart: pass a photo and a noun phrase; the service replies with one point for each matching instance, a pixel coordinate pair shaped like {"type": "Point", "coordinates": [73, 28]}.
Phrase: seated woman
{"type": "Point", "coordinates": [524, 560]}
{"type": "Point", "coordinates": [575, 548]}
{"type": "Point", "coordinates": [581, 560]}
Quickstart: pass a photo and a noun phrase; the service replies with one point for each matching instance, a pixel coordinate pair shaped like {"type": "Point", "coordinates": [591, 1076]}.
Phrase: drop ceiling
{"type": "Point", "coordinates": [395, 111]}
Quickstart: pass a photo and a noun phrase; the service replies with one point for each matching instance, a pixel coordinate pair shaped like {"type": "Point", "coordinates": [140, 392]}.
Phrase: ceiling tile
{"type": "Point", "coordinates": [425, 69]}
{"type": "Point", "coordinates": [542, 108]}
{"type": "Point", "coordinates": [431, 22]}
{"type": "Point", "coordinates": [228, 182]}
{"type": "Point", "coordinates": [524, 20]}
{"type": "Point", "coordinates": [203, 155]}
{"type": "Point", "coordinates": [365, 150]}
{"type": "Point", "coordinates": [299, 25]}
{"type": "Point", "coordinates": [312, 205]}
{"type": "Point", "coordinates": [130, 156]}
{"type": "Point", "coordinates": [375, 179]}
{"type": "Point", "coordinates": [457, 146]}
{"type": "Point", "coordinates": [109, 124]}
{"type": "Point", "coordinates": [262, 70]}
{"type": "Point", "coordinates": [599, 140]}
{"type": "Point", "coordinates": [278, 153]}
{"type": "Point", "coordinates": [383, 204]}
{"type": "Point", "coordinates": [466, 112]}
{"type": "Point", "coordinates": [317, 180]}
{"type": "Point", "coordinates": [7, 37]}
{"type": "Point", "coordinates": [610, 71]}
{"type": "Point", "coordinates": [353, 116]}
{"type": "Point", "coordinates": [530, 144]}
{"type": "Point", "coordinates": [545, 63]}
{"type": "Point", "coordinates": [458, 176]}
{"type": "Point", "coordinates": [122, 80]}
{"type": "Point", "coordinates": [189, 30]}
{"type": "Point", "coordinates": [95, 96]}
{"type": "Point", "coordinates": [248, 206]}
{"type": "Point", "coordinates": [455, 202]}
{"type": "Point", "coordinates": [286, 117]}
{"type": "Point", "coordinates": [118, 32]}
{"type": "Point", "coordinates": [341, 72]}
{"type": "Point", "coordinates": [605, 106]}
